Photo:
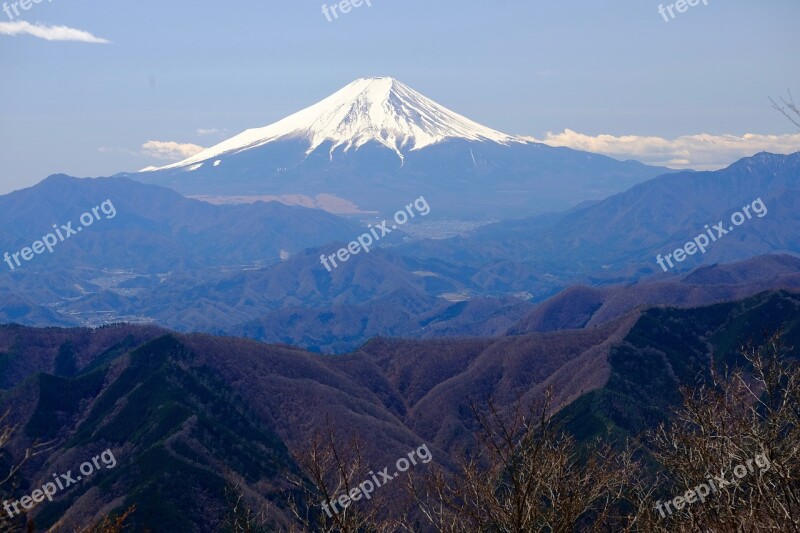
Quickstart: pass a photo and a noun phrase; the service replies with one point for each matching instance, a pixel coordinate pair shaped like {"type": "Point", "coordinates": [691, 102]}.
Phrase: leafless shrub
{"type": "Point", "coordinates": [526, 475]}
{"type": "Point", "coordinates": [333, 468]}
{"type": "Point", "coordinates": [793, 113]}
{"type": "Point", "coordinates": [741, 415]}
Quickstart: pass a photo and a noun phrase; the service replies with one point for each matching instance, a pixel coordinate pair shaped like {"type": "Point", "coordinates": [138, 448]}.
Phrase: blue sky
{"type": "Point", "coordinates": [594, 68]}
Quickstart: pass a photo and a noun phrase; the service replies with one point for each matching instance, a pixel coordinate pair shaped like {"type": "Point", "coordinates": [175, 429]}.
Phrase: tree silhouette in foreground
{"type": "Point", "coordinates": [525, 474]}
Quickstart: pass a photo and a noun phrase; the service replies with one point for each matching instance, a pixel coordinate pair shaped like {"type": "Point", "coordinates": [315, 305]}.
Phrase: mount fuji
{"type": "Point", "coordinates": [376, 144]}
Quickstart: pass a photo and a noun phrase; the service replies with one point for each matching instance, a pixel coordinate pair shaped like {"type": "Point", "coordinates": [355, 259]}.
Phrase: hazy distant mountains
{"type": "Point", "coordinates": [254, 270]}
{"type": "Point", "coordinates": [619, 238]}
{"type": "Point", "coordinates": [156, 230]}
{"type": "Point", "coordinates": [380, 144]}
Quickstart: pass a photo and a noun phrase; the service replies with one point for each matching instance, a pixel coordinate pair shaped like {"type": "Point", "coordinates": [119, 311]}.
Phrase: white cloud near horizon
{"type": "Point", "coordinates": [702, 151]}
{"type": "Point", "coordinates": [170, 150]}
{"type": "Point", "coordinates": [49, 33]}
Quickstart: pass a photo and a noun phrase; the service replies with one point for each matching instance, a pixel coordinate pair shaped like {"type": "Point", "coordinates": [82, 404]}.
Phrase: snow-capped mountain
{"type": "Point", "coordinates": [381, 110]}
{"type": "Point", "coordinates": [376, 142]}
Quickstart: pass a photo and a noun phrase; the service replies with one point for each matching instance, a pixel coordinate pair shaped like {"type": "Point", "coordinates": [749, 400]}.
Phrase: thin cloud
{"type": "Point", "coordinates": [49, 33]}
{"type": "Point", "coordinates": [170, 150]}
{"type": "Point", "coordinates": [114, 150]}
{"type": "Point", "coordinates": [209, 131]}
{"type": "Point", "coordinates": [703, 151]}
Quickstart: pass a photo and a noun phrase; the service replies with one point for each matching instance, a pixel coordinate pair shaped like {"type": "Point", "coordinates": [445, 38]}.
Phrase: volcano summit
{"type": "Point", "coordinates": [376, 139]}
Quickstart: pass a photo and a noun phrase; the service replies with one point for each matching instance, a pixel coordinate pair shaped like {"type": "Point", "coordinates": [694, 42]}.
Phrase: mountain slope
{"type": "Point", "coordinates": [669, 348]}
{"type": "Point", "coordinates": [179, 435]}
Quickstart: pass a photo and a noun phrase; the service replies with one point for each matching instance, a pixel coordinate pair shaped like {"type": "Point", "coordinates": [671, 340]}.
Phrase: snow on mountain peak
{"type": "Point", "coordinates": [379, 109]}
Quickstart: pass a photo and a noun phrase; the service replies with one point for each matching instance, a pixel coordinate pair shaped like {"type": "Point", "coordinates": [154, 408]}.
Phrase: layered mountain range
{"type": "Point", "coordinates": [190, 416]}
{"type": "Point", "coordinates": [254, 269]}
